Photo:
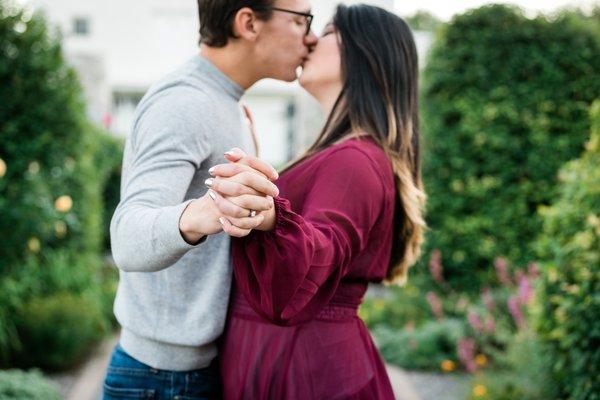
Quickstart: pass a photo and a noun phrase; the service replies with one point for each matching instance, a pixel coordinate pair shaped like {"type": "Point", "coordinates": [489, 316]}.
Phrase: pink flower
{"type": "Point", "coordinates": [518, 275]}
{"type": "Point", "coordinates": [475, 322]}
{"type": "Point", "coordinates": [435, 266]}
{"type": "Point", "coordinates": [490, 325]}
{"type": "Point", "coordinates": [515, 310]}
{"type": "Point", "coordinates": [533, 270]}
{"type": "Point", "coordinates": [502, 271]}
{"type": "Point", "coordinates": [488, 300]}
{"type": "Point", "coordinates": [525, 290]}
{"type": "Point", "coordinates": [466, 353]}
{"type": "Point", "coordinates": [436, 305]}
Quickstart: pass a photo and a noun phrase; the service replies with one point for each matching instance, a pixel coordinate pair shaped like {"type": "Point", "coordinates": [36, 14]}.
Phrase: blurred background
{"type": "Point", "coordinates": [505, 303]}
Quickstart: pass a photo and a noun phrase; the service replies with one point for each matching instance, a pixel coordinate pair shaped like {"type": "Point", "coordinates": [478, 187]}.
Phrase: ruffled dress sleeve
{"type": "Point", "coordinates": [288, 274]}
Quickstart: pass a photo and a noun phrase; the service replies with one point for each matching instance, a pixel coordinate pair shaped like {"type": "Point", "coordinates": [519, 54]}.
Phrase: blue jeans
{"type": "Point", "coordinates": [130, 379]}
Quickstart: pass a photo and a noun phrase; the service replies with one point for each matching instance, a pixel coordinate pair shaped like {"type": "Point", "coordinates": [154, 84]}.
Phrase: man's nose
{"type": "Point", "coordinates": [310, 40]}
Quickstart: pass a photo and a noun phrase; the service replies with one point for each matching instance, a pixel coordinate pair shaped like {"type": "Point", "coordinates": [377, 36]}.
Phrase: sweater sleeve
{"type": "Point", "coordinates": [288, 274]}
{"type": "Point", "coordinates": [168, 145]}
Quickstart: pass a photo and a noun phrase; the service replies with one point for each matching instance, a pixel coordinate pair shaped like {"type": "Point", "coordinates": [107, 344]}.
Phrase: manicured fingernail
{"type": "Point", "coordinates": [209, 182]}
{"type": "Point", "coordinates": [229, 153]}
{"type": "Point", "coordinates": [211, 171]}
{"type": "Point", "coordinates": [222, 220]}
{"type": "Point", "coordinates": [212, 195]}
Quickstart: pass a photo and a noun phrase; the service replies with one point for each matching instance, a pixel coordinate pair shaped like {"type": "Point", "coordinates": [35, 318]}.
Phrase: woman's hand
{"type": "Point", "coordinates": [242, 189]}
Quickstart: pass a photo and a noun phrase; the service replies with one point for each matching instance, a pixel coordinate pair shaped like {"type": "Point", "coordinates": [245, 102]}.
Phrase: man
{"type": "Point", "coordinates": [166, 233]}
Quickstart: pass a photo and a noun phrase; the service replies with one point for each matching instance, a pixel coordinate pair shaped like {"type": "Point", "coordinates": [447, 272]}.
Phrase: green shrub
{"type": "Point", "coordinates": [424, 347]}
{"type": "Point", "coordinates": [21, 385]}
{"type": "Point", "coordinates": [396, 307]}
{"type": "Point", "coordinates": [109, 158]}
{"type": "Point", "coordinates": [57, 331]}
{"type": "Point", "coordinates": [41, 278]}
{"type": "Point", "coordinates": [47, 146]}
{"type": "Point", "coordinates": [525, 377]}
{"type": "Point", "coordinates": [505, 100]}
{"type": "Point", "coordinates": [107, 292]}
{"type": "Point", "coordinates": [54, 169]}
{"type": "Point", "coordinates": [569, 298]}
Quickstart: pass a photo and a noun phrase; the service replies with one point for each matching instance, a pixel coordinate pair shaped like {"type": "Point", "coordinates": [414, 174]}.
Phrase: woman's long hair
{"type": "Point", "coordinates": [380, 98]}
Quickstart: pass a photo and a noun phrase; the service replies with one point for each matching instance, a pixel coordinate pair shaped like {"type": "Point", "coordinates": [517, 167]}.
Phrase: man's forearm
{"type": "Point", "coordinates": [147, 239]}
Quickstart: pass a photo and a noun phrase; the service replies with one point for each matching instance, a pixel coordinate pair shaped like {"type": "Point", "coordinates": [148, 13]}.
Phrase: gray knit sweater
{"type": "Point", "coordinates": [172, 296]}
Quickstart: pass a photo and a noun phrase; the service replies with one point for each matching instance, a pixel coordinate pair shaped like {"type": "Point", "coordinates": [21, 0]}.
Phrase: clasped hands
{"type": "Point", "coordinates": [242, 192]}
{"type": "Point", "coordinates": [239, 199]}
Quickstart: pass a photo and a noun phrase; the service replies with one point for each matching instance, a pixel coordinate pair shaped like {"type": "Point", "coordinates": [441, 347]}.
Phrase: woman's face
{"type": "Point", "coordinates": [322, 70]}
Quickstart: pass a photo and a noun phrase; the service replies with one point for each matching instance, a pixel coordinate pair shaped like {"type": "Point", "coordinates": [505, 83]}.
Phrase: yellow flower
{"type": "Point", "coordinates": [69, 163]}
{"type": "Point", "coordinates": [479, 390]}
{"type": "Point", "coordinates": [60, 228]}
{"type": "Point", "coordinates": [2, 168]}
{"type": "Point", "coordinates": [34, 245]}
{"type": "Point", "coordinates": [448, 365]}
{"type": "Point", "coordinates": [378, 304]}
{"type": "Point", "coordinates": [481, 360]}
{"type": "Point", "coordinates": [63, 203]}
{"type": "Point", "coordinates": [34, 167]}
{"type": "Point", "coordinates": [593, 220]}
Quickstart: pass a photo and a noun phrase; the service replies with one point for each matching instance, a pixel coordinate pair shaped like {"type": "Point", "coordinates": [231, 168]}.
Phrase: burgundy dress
{"type": "Point", "coordinates": [293, 330]}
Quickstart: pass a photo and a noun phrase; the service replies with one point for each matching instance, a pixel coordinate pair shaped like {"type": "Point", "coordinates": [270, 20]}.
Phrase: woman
{"type": "Point", "coordinates": [349, 212]}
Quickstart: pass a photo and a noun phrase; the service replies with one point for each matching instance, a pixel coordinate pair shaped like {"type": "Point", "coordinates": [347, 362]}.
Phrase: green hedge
{"type": "Point", "coordinates": [526, 375]}
{"type": "Point", "coordinates": [47, 146]}
{"type": "Point", "coordinates": [58, 330]}
{"type": "Point", "coordinates": [108, 159]}
{"type": "Point", "coordinates": [54, 307]}
{"type": "Point", "coordinates": [54, 199]}
{"type": "Point", "coordinates": [21, 385]}
{"type": "Point", "coordinates": [505, 102]}
{"type": "Point", "coordinates": [570, 295]}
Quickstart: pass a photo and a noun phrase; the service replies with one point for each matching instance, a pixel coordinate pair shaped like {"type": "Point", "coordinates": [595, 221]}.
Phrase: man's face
{"type": "Point", "coordinates": [283, 45]}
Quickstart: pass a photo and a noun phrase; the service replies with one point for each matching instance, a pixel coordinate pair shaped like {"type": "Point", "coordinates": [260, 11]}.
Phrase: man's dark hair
{"type": "Point", "coordinates": [216, 18]}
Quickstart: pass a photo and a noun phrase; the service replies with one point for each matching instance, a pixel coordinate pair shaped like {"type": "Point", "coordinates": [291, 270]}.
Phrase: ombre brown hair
{"type": "Point", "coordinates": [380, 98]}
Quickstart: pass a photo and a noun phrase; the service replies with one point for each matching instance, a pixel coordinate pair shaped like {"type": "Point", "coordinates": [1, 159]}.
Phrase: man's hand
{"type": "Point", "coordinates": [202, 217]}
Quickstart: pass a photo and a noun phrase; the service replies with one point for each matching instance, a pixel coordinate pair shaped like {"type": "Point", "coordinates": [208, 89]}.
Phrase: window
{"type": "Point", "coordinates": [81, 26]}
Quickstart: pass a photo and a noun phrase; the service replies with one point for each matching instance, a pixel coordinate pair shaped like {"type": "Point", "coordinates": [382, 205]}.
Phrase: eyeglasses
{"type": "Point", "coordinates": [308, 17]}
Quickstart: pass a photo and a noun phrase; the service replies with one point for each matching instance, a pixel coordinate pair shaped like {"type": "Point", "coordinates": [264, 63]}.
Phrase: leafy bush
{"type": "Point", "coordinates": [39, 279]}
{"type": "Point", "coordinates": [50, 188]}
{"type": "Point", "coordinates": [58, 330]}
{"type": "Point", "coordinates": [396, 307]}
{"type": "Point", "coordinates": [569, 298]}
{"type": "Point", "coordinates": [526, 375]}
{"type": "Point", "coordinates": [108, 160]}
{"type": "Point", "coordinates": [21, 385]}
{"type": "Point", "coordinates": [505, 99]}
{"type": "Point", "coordinates": [53, 171]}
{"type": "Point", "coordinates": [424, 347]}
{"type": "Point", "coordinates": [489, 321]}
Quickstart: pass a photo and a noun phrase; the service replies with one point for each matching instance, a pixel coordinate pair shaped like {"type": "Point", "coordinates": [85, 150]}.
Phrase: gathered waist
{"type": "Point", "coordinates": [336, 310]}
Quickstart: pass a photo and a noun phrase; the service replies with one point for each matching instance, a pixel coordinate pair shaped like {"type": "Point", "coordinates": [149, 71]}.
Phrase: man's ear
{"type": "Point", "coordinates": [246, 25]}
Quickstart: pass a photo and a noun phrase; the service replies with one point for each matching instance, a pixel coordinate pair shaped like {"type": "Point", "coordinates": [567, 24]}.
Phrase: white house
{"type": "Point", "coordinates": [119, 48]}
